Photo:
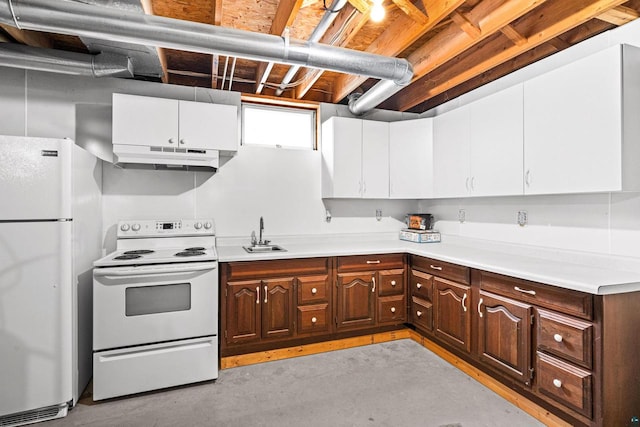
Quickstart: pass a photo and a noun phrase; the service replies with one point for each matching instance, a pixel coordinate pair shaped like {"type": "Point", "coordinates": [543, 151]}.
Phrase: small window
{"type": "Point", "coordinates": [278, 127]}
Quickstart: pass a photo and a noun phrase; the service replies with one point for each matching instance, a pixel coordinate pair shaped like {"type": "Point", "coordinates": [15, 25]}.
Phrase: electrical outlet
{"type": "Point", "coordinates": [523, 218]}
{"type": "Point", "coordinates": [462, 216]}
{"type": "Point", "coordinates": [379, 214]}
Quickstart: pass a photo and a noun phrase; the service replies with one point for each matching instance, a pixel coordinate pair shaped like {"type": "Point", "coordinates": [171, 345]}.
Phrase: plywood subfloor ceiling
{"type": "Point", "coordinates": [453, 45]}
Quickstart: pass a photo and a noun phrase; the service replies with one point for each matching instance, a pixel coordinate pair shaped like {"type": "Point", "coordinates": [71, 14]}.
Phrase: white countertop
{"type": "Point", "coordinates": [586, 272]}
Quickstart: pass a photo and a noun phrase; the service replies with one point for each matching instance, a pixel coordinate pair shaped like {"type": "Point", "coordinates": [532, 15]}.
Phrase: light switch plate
{"type": "Point", "coordinates": [462, 216]}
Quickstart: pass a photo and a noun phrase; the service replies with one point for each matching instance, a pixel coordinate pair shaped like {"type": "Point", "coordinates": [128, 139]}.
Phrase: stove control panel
{"type": "Point", "coordinates": [172, 228]}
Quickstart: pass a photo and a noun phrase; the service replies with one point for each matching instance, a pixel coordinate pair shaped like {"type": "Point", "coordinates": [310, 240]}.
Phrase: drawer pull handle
{"type": "Point", "coordinates": [480, 307]}
{"type": "Point", "coordinates": [393, 309]}
{"type": "Point", "coordinates": [257, 294]}
{"type": "Point", "coordinates": [435, 267]}
{"type": "Point", "coordinates": [418, 285]}
{"type": "Point", "coordinates": [393, 283]}
{"type": "Point", "coordinates": [464, 298]}
{"type": "Point", "coordinates": [314, 291]}
{"type": "Point", "coordinates": [557, 337]}
{"type": "Point", "coordinates": [418, 313]}
{"type": "Point", "coordinates": [557, 383]}
{"type": "Point", "coordinates": [377, 261]}
{"type": "Point", "coordinates": [373, 279]}
{"type": "Point", "coordinates": [314, 320]}
{"type": "Point", "coordinates": [266, 294]}
{"type": "Point", "coordinates": [524, 291]}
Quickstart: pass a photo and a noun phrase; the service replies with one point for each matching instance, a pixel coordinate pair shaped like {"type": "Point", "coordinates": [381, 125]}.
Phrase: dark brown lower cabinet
{"type": "Point", "coordinates": [277, 307]}
{"type": "Point", "coordinates": [504, 335]}
{"type": "Point", "coordinates": [356, 300]}
{"type": "Point", "coordinates": [452, 320]}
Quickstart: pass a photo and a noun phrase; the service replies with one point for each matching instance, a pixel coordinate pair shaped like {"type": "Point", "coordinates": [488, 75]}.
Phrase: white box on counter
{"type": "Point", "coordinates": [420, 236]}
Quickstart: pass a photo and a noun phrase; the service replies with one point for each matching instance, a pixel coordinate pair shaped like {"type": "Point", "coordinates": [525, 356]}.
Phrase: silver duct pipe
{"type": "Point", "coordinates": [73, 18]}
{"type": "Point", "coordinates": [322, 27]}
{"type": "Point", "coordinates": [77, 64]}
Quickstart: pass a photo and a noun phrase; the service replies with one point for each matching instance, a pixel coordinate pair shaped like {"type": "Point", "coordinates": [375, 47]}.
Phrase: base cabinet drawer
{"type": "Point", "coordinates": [565, 383]}
{"type": "Point", "coordinates": [565, 337]}
{"type": "Point", "coordinates": [313, 318]}
{"type": "Point", "coordinates": [392, 309]}
{"type": "Point", "coordinates": [421, 313]}
{"type": "Point", "coordinates": [421, 285]}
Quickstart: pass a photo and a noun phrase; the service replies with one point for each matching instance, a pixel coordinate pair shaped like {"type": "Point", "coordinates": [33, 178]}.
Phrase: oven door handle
{"type": "Point", "coordinates": [146, 271]}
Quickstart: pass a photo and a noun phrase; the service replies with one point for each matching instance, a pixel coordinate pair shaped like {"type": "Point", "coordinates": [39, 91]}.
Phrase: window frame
{"type": "Point", "coordinates": [280, 104]}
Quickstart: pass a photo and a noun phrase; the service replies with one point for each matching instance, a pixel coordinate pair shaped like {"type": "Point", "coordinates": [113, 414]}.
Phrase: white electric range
{"type": "Point", "coordinates": [155, 308]}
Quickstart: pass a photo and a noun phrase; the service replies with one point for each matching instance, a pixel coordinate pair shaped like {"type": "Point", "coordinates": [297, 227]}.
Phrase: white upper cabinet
{"type": "Point", "coordinates": [451, 153]}
{"type": "Point", "coordinates": [478, 147]}
{"type": "Point", "coordinates": [582, 127]}
{"type": "Point", "coordinates": [355, 157]}
{"type": "Point", "coordinates": [496, 144]}
{"type": "Point", "coordinates": [411, 159]}
{"type": "Point", "coordinates": [375, 159]}
{"type": "Point", "coordinates": [160, 122]}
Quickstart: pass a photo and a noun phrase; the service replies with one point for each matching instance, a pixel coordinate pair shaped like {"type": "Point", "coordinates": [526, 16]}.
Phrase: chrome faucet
{"type": "Point", "coordinates": [256, 242]}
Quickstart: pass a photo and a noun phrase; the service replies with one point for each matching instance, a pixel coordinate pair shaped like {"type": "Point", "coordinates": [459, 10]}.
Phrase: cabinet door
{"type": "Point", "coordinates": [504, 335]}
{"type": "Point", "coordinates": [208, 126]}
{"type": "Point", "coordinates": [573, 127]}
{"type": "Point", "coordinates": [452, 322]}
{"type": "Point", "coordinates": [356, 300]}
{"type": "Point", "coordinates": [451, 153]}
{"type": "Point", "coordinates": [497, 144]}
{"type": "Point", "coordinates": [375, 159]}
{"type": "Point", "coordinates": [142, 120]}
{"type": "Point", "coordinates": [277, 310]}
{"type": "Point", "coordinates": [342, 157]}
{"type": "Point", "coordinates": [411, 159]}
{"type": "Point", "coordinates": [243, 311]}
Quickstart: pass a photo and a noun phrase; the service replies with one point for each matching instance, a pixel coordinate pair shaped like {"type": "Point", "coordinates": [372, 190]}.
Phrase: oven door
{"type": "Point", "coordinates": [154, 303]}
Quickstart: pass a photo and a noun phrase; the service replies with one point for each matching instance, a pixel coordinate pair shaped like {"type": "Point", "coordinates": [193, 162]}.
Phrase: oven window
{"type": "Point", "coordinates": [157, 299]}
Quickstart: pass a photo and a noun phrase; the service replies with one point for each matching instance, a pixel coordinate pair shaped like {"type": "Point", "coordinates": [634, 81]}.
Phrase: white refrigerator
{"type": "Point", "coordinates": [50, 234]}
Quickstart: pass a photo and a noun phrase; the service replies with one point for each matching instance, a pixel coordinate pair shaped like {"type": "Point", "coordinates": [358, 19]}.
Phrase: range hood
{"type": "Point", "coordinates": [132, 156]}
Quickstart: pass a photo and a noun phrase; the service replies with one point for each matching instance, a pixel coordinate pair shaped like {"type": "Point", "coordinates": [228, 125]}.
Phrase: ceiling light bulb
{"type": "Point", "coordinates": [377, 11]}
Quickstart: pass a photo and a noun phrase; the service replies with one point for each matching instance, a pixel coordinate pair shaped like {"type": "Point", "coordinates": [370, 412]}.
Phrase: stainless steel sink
{"type": "Point", "coordinates": [264, 248]}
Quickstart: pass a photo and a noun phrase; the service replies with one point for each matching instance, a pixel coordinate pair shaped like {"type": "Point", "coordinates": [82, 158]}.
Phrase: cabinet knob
{"type": "Point", "coordinates": [183, 141]}
{"type": "Point", "coordinates": [557, 337]}
{"type": "Point", "coordinates": [418, 313]}
{"type": "Point", "coordinates": [557, 383]}
{"type": "Point", "coordinates": [172, 141]}
{"type": "Point", "coordinates": [393, 283]}
{"type": "Point", "coordinates": [393, 309]}
{"type": "Point", "coordinates": [314, 320]}
{"type": "Point", "coordinates": [314, 291]}
{"type": "Point", "coordinates": [418, 285]}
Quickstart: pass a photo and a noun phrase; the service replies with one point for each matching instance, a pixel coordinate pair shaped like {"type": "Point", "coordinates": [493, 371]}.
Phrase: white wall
{"type": "Point", "coordinates": [281, 185]}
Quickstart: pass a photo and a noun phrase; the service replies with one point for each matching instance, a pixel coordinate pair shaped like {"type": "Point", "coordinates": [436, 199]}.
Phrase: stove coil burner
{"type": "Point", "coordinates": [195, 248]}
{"type": "Point", "coordinates": [189, 253]}
{"type": "Point", "coordinates": [128, 256]}
{"type": "Point", "coordinates": [139, 252]}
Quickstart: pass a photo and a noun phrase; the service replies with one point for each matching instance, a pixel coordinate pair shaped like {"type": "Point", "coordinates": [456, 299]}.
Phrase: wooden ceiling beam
{"type": "Point", "coordinates": [466, 25]}
{"type": "Point", "coordinates": [401, 34]}
{"type": "Point", "coordinates": [363, 6]}
{"type": "Point", "coordinates": [412, 11]}
{"type": "Point", "coordinates": [619, 15]}
{"type": "Point", "coordinates": [550, 21]}
{"type": "Point", "coordinates": [31, 38]}
{"type": "Point", "coordinates": [285, 15]}
{"type": "Point", "coordinates": [517, 38]}
{"type": "Point", "coordinates": [345, 27]}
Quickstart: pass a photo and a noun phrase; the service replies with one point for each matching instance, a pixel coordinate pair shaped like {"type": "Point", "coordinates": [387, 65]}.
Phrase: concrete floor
{"type": "Point", "coordinates": [399, 383]}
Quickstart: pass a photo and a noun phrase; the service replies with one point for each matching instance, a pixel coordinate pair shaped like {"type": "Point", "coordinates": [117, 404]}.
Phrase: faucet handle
{"type": "Point", "coordinates": [254, 239]}
{"type": "Point", "coordinates": [266, 242]}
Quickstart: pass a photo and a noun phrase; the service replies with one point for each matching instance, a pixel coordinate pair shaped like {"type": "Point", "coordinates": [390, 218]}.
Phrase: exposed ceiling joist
{"type": "Point", "coordinates": [346, 26]}
{"type": "Point", "coordinates": [465, 24]}
{"type": "Point", "coordinates": [285, 15]}
{"type": "Point", "coordinates": [401, 34]}
{"type": "Point", "coordinates": [517, 38]}
{"type": "Point", "coordinates": [412, 11]}
{"type": "Point", "coordinates": [362, 5]}
{"type": "Point", "coordinates": [552, 20]}
{"type": "Point", "coordinates": [619, 15]}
